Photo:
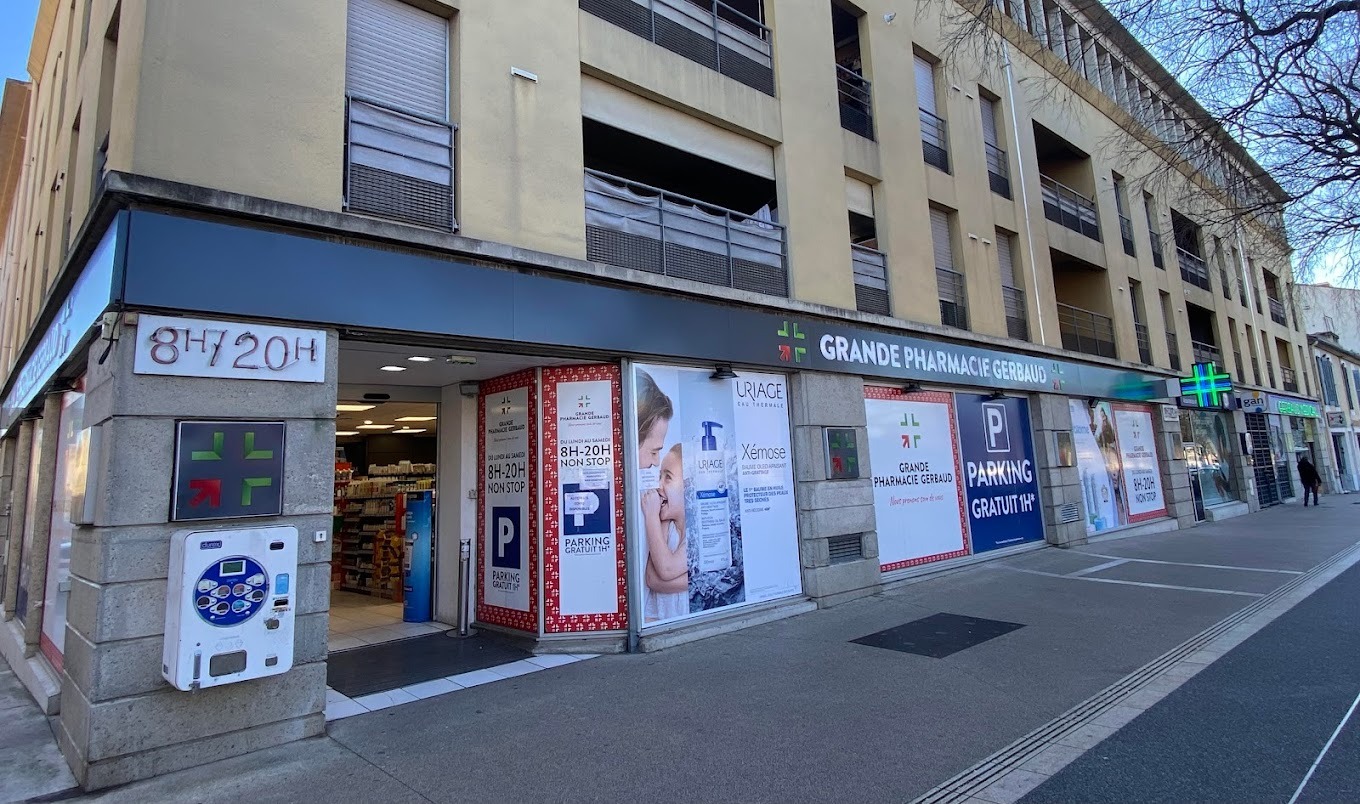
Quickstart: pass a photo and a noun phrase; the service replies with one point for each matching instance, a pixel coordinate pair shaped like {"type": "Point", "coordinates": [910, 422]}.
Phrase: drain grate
{"type": "Point", "coordinates": [938, 635]}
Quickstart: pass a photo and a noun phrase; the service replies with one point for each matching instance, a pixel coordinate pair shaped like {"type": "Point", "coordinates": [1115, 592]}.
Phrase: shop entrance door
{"type": "Point", "coordinates": [1194, 464]}
{"type": "Point", "coordinates": [1267, 489]}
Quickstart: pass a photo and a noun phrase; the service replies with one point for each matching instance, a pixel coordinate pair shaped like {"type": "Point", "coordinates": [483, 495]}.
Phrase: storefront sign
{"type": "Point", "coordinates": [228, 470]}
{"type": "Point", "coordinates": [84, 305]}
{"type": "Point", "coordinates": [1171, 413]}
{"type": "Point", "coordinates": [918, 489]}
{"type": "Point", "coordinates": [1114, 496]}
{"type": "Point", "coordinates": [505, 444]}
{"type": "Point", "coordinates": [1206, 387]}
{"type": "Point", "coordinates": [1138, 460]}
{"type": "Point", "coordinates": [999, 471]}
{"type": "Point", "coordinates": [715, 492]}
{"type": "Point", "coordinates": [842, 453]}
{"type": "Point", "coordinates": [1295, 407]}
{"type": "Point", "coordinates": [195, 347]}
{"type": "Point", "coordinates": [1254, 402]}
{"type": "Point", "coordinates": [584, 583]}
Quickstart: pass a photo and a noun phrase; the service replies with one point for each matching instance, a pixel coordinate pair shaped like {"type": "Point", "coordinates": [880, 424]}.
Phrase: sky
{"type": "Point", "coordinates": [16, 31]}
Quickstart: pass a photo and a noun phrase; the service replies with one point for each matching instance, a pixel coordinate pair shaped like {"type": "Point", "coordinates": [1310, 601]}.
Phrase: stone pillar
{"type": "Point", "coordinates": [1180, 499]}
{"type": "Point", "coordinates": [831, 508]}
{"type": "Point", "coordinates": [1059, 486]}
{"type": "Point", "coordinates": [120, 721]}
{"type": "Point", "coordinates": [18, 505]}
{"type": "Point", "coordinates": [8, 446]}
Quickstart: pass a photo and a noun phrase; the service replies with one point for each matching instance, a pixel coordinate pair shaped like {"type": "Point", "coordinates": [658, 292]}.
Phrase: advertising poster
{"type": "Point", "coordinates": [715, 488]}
{"type": "Point", "coordinates": [1102, 480]}
{"type": "Point", "coordinates": [504, 446]}
{"type": "Point", "coordinates": [1138, 458]}
{"type": "Point", "coordinates": [999, 471]}
{"type": "Point", "coordinates": [918, 492]}
{"type": "Point", "coordinates": [585, 586]}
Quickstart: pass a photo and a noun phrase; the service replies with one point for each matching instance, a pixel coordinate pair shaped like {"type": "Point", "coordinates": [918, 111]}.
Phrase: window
{"type": "Point", "coordinates": [953, 295]}
{"type": "Point", "coordinates": [998, 169]}
{"type": "Point", "coordinates": [1324, 367]}
{"type": "Point", "coordinates": [1121, 203]}
{"type": "Point", "coordinates": [1158, 258]}
{"type": "Point", "coordinates": [934, 137]}
{"type": "Point", "coordinates": [1346, 381]}
{"type": "Point", "coordinates": [1012, 298]}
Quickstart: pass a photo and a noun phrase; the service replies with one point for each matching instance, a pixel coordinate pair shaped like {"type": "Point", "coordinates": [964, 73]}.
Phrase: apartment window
{"type": "Point", "coordinates": [953, 294]}
{"type": "Point", "coordinates": [1237, 350]}
{"type": "Point", "coordinates": [1346, 381]}
{"type": "Point", "coordinates": [998, 168]}
{"type": "Point", "coordinates": [1355, 378]}
{"type": "Point", "coordinates": [399, 140]}
{"type": "Point", "coordinates": [869, 264]}
{"type": "Point", "coordinates": [1190, 251]}
{"type": "Point", "coordinates": [1140, 327]}
{"type": "Point", "coordinates": [1221, 257]}
{"type": "Point", "coordinates": [1121, 203]}
{"type": "Point", "coordinates": [1158, 258]}
{"type": "Point", "coordinates": [1173, 345]}
{"type": "Point", "coordinates": [1012, 297]}
{"type": "Point", "coordinates": [1328, 380]}
{"type": "Point", "coordinates": [934, 135]}
{"type": "Point", "coordinates": [855, 93]}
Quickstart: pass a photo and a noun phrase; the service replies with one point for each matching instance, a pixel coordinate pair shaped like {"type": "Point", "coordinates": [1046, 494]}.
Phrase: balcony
{"type": "Point", "coordinates": [1140, 333]}
{"type": "Point", "coordinates": [1193, 269]}
{"type": "Point", "coordinates": [398, 164]}
{"type": "Point", "coordinates": [935, 140]}
{"type": "Point", "coordinates": [1086, 331]}
{"type": "Point", "coordinates": [1017, 319]}
{"type": "Point", "coordinates": [1289, 379]}
{"type": "Point", "coordinates": [998, 170]}
{"type": "Point", "coordinates": [1157, 258]}
{"type": "Point", "coordinates": [857, 111]}
{"type": "Point", "coordinates": [1206, 353]}
{"type": "Point", "coordinates": [1126, 233]}
{"type": "Point", "coordinates": [633, 225]}
{"type": "Point", "coordinates": [953, 298]}
{"type": "Point", "coordinates": [1277, 311]}
{"type": "Point", "coordinates": [1069, 208]}
{"type": "Point", "coordinates": [1173, 350]}
{"type": "Point", "coordinates": [871, 279]}
{"type": "Point", "coordinates": [712, 33]}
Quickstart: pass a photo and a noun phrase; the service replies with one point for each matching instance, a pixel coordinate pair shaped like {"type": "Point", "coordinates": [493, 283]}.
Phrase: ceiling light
{"type": "Point", "coordinates": [368, 421]}
{"type": "Point", "coordinates": [350, 407]}
{"type": "Point", "coordinates": [419, 359]}
{"type": "Point", "coordinates": [408, 431]}
{"type": "Point", "coordinates": [375, 427]}
{"type": "Point", "coordinates": [415, 418]}
{"type": "Point", "coordinates": [393, 368]}
{"type": "Point", "coordinates": [461, 360]}
{"type": "Point", "coordinates": [346, 432]}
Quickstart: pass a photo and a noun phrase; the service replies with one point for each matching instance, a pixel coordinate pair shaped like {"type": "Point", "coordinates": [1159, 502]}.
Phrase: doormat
{"type": "Point", "coordinates": [938, 635]}
{"type": "Point", "coordinates": [362, 671]}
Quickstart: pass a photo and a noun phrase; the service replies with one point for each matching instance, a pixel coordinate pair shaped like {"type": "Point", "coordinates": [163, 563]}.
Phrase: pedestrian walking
{"type": "Point", "coordinates": [1311, 480]}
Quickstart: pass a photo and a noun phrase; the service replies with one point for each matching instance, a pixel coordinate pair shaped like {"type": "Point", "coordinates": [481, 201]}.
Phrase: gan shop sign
{"type": "Point", "coordinates": [195, 347]}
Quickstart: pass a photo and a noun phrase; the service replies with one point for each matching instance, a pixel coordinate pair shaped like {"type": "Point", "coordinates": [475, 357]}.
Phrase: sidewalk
{"type": "Point", "coordinates": [794, 710]}
{"type": "Point", "coordinates": [30, 764]}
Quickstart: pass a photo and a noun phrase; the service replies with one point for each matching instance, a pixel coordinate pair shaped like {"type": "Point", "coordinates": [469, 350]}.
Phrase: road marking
{"type": "Point", "coordinates": [1098, 567]}
{"type": "Point", "coordinates": [1134, 583]}
{"type": "Point", "coordinates": [1325, 749]}
{"type": "Point", "coordinates": [1185, 564]}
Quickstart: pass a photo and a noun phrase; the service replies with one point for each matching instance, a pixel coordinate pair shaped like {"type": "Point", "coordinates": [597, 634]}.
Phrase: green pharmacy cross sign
{"type": "Point", "coordinates": [1207, 387]}
{"type": "Point", "coordinates": [228, 470]}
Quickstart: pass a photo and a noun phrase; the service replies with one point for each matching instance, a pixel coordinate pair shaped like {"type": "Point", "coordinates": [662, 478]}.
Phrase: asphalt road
{"type": "Point", "coordinates": [1250, 726]}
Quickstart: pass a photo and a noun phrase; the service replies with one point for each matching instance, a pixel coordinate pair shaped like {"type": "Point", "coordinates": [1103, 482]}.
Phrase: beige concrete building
{"type": "Point", "coordinates": [438, 202]}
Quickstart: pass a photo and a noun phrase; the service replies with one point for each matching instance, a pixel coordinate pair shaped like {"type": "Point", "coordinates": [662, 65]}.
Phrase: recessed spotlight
{"type": "Point", "coordinates": [350, 407]}
{"type": "Point", "coordinates": [346, 432]}
{"type": "Point", "coordinates": [415, 418]}
{"type": "Point", "coordinates": [461, 360]}
{"type": "Point", "coordinates": [393, 368]}
{"type": "Point", "coordinates": [375, 427]}
{"type": "Point", "coordinates": [368, 421]}
{"type": "Point", "coordinates": [408, 431]}
{"type": "Point", "coordinates": [420, 359]}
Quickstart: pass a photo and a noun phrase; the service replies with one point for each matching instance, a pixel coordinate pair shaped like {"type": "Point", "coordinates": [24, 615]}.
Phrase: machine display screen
{"type": "Point", "coordinates": [237, 567]}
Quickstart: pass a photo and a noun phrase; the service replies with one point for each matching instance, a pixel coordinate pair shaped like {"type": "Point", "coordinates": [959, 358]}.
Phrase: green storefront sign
{"type": "Point", "coordinates": [1290, 407]}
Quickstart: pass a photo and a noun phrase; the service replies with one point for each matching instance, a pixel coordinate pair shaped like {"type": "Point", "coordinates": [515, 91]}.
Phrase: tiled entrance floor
{"type": "Point", "coordinates": [357, 620]}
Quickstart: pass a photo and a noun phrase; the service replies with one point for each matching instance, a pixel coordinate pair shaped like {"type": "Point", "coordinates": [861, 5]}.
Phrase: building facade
{"type": "Point", "coordinates": [688, 318]}
{"type": "Point", "coordinates": [1338, 372]}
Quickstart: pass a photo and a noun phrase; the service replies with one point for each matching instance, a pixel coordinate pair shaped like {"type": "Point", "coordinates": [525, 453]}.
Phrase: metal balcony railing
{"type": "Point", "coordinates": [1126, 233]}
{"type": "Point", "coordinates": [1289, 379]}
{"type": "Point", "coordinates": [1069, 208]}
{"type": "Point", "coordinates": [1270, 372]}
{"type": "Point", "coordinates": [1140, 333]}
{"type": "Point", "coordinates": [998, 170]}
{"type": "Point", "coordinates": [1256, 369]}
{"type": "Point", "coordinates": [1017, 318]}
{"type": "Point", "coordinates": [1277, 311]}
{"type": "Point", "coordinates": [1224, 280]}
{"type": "Point", "coordinates": [1206, 353]}
{"type": "Point", "coordinates": [856, 100]}
{"type": "Point", "coordinates": [953, 298]}
{"type": "Point", "coordinates": [871, 279]}
{"type": "Point", "coordinates": [709, 32]}
{"type": "Point", "coordinates": [633, 225]}
{"type": "Point", "coordinates": [1193, 269]}
{"type": "Point", "coordinates": [1086, 331]}
{"type": "Point", "coordinates": [398, 164]}
{"type": "Point", "coordinates": [1158, 258]}
{"type": "Point", "coordinates": [1173, 350]}
{"type": "Point", "coordinates": [935, 140]}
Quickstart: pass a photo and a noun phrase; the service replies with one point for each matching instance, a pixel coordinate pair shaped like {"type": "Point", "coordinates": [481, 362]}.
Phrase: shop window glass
{"type": "Point", "coordinates": [30, 524]}
{"type": "Point", "coordinates": [1211, 434]}
{"type": "Point", "coordinates": [68, 484]}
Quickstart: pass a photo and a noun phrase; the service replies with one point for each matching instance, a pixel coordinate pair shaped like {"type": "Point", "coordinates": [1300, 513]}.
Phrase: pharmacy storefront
{"type": "Point", "coordinates": [1281, 429]}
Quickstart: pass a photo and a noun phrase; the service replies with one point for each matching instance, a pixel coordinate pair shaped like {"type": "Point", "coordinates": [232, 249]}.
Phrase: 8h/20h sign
{"type": "Point", "coordinates": [228, 470]}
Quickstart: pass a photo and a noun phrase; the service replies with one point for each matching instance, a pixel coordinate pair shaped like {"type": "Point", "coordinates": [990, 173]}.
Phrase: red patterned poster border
{"type": "Point", "coordinates": [944, 398]}
{"type": "Point", "coordinates": [486, 613]}
{"type": "Point", "coordinates": [553, 619]}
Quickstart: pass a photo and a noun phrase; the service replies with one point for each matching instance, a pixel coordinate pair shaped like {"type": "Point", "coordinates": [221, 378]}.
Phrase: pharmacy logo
{"type": "Point", "coordinates": [911, 436]}
{"type": "Point", "coordinates": [505, 405]}
{"type": "Point", "coordinates": [1058, 381]}
{"type": "Point", "coordinates": [583, 402]}
{"type": "Point", "coordinates": [1207, 386]}
{"type": "Point", "coordinates": [228, 469]}
{"type": "Point", "coordinates": [791, 352]}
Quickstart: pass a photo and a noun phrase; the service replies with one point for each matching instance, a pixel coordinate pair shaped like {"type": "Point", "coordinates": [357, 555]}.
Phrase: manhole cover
{"type": "Point", "coordinates": [938, 635]}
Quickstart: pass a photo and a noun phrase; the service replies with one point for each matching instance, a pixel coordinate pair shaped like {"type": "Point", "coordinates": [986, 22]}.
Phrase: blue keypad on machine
{"type": "Point", "coordinates": [231, 591]}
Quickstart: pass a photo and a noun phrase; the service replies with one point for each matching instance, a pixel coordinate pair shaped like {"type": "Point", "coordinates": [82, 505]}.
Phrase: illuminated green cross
{"type": "Point", "coordinates": [1207, 385]}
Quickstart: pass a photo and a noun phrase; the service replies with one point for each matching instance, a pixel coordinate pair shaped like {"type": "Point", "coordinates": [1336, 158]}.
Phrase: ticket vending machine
{"type": "Point", "coordinates": [230, 605]}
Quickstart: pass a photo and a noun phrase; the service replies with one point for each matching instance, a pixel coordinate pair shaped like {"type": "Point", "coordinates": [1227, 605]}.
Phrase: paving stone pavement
{"type": "Point", "coordinates": [30, 763]}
